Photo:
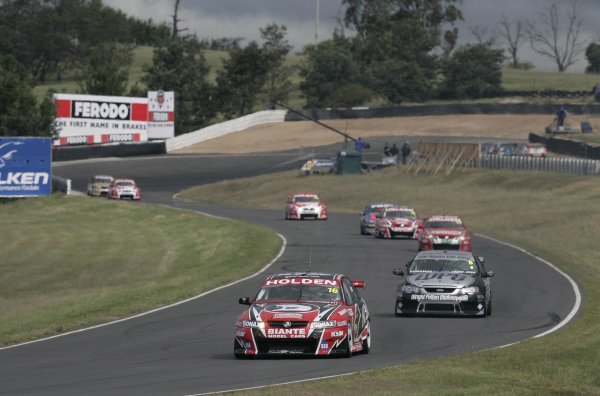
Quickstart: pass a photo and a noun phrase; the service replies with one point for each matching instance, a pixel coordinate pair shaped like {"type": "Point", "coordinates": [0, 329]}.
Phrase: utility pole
{"type": "Point", "coordinates": [317, 23]}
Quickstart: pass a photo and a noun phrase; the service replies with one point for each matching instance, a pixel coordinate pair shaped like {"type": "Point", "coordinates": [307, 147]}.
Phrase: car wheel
{"type": "Point", "coordinates": [348, 343]}
{"type": "Point", "coordinates": [366, 344]}
{"type": "Point", "coordinates": [396, 309]}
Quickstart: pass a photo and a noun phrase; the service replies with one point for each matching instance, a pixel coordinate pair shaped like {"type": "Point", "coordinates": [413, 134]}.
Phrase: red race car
{"type": "Point", "coordinates": [305, 206]}
{"type": "Point", "coordinates": [124, 188]}
{"type": "Point", "coordinates": [444, 233]}
{"type": "Point", "coordinates": [397, 221]}
{"type": "Point", "coordinates": [304, 314]}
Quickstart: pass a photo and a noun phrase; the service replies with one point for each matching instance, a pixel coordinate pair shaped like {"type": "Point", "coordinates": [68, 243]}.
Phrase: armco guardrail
{"type": "Point", "coordinates": [561, 165]}
{"type": "Point", "coordinates": [223, 128]}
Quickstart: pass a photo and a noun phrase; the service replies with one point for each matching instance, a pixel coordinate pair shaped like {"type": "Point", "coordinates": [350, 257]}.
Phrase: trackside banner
{"type": "Point", "coordinates": [94, 119]}
{"type": "Point", "coordinates": [25, 166]}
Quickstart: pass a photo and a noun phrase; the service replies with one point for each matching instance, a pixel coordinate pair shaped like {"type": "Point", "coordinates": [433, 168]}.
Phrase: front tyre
{"type": "Point", "coordinates": [348, 344]}
{"type": "Point", "coordinates": [366, 344]}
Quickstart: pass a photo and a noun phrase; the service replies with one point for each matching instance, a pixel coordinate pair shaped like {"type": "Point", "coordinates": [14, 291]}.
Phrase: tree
{"type": "Point", "coordinates": [20, 114]}
{"type": "Point", "coordinates": [328, 68]}
{"type": "Point", "coordinates": [592, 53]}
{"type": "Point", "coordinates": [179, 65]}
{"type": "Point", "coordinates": [550, 41]}
{"type": "Point", "coordinates": [242, 79]}
{"type": "Point", "coordinates": [107, 71]}
{"type": "Point", "coordinates": [473, 71]}
{"type": "Point", "coordinates": [278, 83]}
{"type": "Point", "coordinates": [397, 42]}
{"type": "Point", "coordinates": [176, 20]}
{"type": "Point", "coordinates": [513, 33]}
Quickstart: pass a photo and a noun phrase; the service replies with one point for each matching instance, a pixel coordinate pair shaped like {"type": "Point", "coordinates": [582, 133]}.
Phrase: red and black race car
{"type": "Point", "coordinates": [444, 233]}
{"type": "Point", "coordinates": [304, 314]}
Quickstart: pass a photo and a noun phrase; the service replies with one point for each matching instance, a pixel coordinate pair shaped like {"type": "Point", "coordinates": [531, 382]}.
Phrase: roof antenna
{"type": "Point", "coordinates": [309, 259]}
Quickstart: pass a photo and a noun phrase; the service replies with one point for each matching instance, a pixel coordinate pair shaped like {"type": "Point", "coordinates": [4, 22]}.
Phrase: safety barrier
{"type": "Point", "coordinates": [224, 128]}
{"type": "Point", "coordinates": [561, 165]}
{"type": "Point", "coordinates": [61, 184]}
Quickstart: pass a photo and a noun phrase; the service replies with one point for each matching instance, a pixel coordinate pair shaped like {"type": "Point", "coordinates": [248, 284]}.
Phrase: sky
{"type": "Point", "coordinates": [243, 18]}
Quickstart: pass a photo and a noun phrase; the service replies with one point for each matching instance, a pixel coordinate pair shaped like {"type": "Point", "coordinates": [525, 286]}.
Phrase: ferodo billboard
{"type": "Point", "coordinates": [93, 119]}
{"type": "Point", "coordinates": [25, 166]}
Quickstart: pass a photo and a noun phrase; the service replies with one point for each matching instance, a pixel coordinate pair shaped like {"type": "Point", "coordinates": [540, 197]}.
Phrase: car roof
{"type": "Point", "coordinates": [124, 180]}
{"type": "Point", "coordinates": [445, 254]}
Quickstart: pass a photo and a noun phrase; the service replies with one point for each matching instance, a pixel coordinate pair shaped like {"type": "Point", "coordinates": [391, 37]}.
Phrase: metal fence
{"type": "Point", "coordinates": [522, 163]}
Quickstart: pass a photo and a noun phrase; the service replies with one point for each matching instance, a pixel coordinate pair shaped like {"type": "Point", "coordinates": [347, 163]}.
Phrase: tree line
{"type": "Point", "coordinates": [391, 51]}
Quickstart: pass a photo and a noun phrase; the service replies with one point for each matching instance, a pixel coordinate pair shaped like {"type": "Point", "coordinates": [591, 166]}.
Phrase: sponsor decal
{"type": "Point", "coordinates": [102, 110]}
{"type": "Point", "coordinates": [301, 281]}
{"type": "Point", "coordinates": [337, 333]}
{"type": "Point", "coordinates": [240, 333]}
{"type": "Point", "coordinates": [454, 276]}
{"type": "Point", "coordinates": [286, 333]}
{"type": "Point", "coordinates": [250, 323]}
{"type": "Point", "coordinates": [438, 297]}
{"type": "Point", "coordinates": [288, 315]}
{"type": "Point", "coordinates": [324, 345]}
{"type": "Point", "coordinates": [292, 308]}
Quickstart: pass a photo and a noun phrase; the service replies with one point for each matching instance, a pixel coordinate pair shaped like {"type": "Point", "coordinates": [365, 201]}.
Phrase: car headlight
{"type": "Point", "coordinates": [410, 289]}
{"type": "Point", "coordinates": [323, 324]}
{"type": "Point", "coordinates": [470, 290]}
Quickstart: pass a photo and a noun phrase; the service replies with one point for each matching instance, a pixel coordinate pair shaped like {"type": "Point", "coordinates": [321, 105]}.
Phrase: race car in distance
{"type": "Point", "coordinates": [444, 233]}
{"type": "Point", "coordinates": [98, 185]}
{"type": "Point", "coordinates": [124, 188]}
{"type": "Point", "coordinates": [534, 150]}
{"type": "Point", "coordinates": [369, 215]}
{"type": "Point", "coordinates": [304, 314]}
{"type": "Point", "coordinates": [397, 221]}
{"type": "Point", "coordinates": [305, 205]}
{"type": "Point", "coordinates": [444, 283]}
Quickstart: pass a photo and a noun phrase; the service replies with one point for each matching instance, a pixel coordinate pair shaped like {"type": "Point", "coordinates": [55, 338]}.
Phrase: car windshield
{"type": "Point", "coordinates": [124, 184]}
{"type": "Point", "coordinates": [443, 264]}
{"type": "Point", "coordinates": [400, 213]}
{"type": "Point", "coordinates": [444, 224]}
{"type": "Point", "coordinates": [306, 199]}
{"type": "Point", "coordinates": [101, 180]}
{"type": "Point", "coordinates": [299, 293]}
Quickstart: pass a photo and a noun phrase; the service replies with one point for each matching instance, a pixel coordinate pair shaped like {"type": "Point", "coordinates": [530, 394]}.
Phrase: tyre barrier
{"type": "Point", "coordinates": [584, 167]}
{"type": "Point", "coordinates": [109, 150]}
{"type": "Point", "coordinates": [443, 109]}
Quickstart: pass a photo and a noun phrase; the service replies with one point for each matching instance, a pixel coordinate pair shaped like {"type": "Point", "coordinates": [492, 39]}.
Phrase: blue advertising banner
{"type": "Point", "coordinates": [25, 166]}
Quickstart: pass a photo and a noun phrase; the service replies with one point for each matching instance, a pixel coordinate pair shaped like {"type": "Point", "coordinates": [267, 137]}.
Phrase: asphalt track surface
{"type": "Point", "coordinates": [187, 349]}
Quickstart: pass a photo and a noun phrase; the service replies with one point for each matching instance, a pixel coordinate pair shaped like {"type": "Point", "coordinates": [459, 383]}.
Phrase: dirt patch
{"type": "Point", "coordinates": [300, 134]}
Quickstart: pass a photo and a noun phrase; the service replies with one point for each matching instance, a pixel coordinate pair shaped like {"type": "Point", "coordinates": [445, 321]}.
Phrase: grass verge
{"type": "Point", "coordinates": [71, 262]}
{"type": "Point", "coordinates": [555, 216]}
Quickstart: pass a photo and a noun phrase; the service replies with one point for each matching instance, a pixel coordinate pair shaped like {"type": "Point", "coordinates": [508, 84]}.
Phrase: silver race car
{"type": "Point", "coordinates": [444, 283]}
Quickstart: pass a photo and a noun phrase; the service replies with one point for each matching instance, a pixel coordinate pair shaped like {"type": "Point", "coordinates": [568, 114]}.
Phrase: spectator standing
{"type": "Point", "coordinates": [394, 150]}
{"type": "Point", "coordinates": [561, 115]}
{"type": "Point", "coordinates": [596, 91]}
{"type": "Point", "coordinates": [406, 150]}
{"type": "Point", "coordinates": [386, 149]}
{"type": "Point", "coordinates": [360, 144]}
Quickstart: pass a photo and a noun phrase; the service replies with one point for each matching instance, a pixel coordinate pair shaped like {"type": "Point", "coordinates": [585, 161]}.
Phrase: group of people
{"type": "Point", "coordinates": [388, 151]}
{"type": "Point", "coordinates": [393, 151]}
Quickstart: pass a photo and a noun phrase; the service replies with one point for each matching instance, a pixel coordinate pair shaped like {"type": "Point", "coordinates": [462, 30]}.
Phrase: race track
{"type": "Point", "coordinates": [187, 349]}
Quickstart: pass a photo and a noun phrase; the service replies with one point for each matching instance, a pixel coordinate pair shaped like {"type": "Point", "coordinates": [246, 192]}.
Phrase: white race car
{"type": "Point", "coordinates": [305, 205]}
{"type": "Point", "coordinates": [124, 188]}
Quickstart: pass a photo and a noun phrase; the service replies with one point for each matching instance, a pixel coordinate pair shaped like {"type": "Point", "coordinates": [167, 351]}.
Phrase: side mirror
{"type": "Point", "coordinates": [398, 271]}
{"type": "Point", "coordinates": [482, 259]}
{"type": "Point", "coordinates": [489, 274]}
{"type": "Point", "coordinates": [244, 300]}
{"type": "Point", "coordinates": [358, 283]}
